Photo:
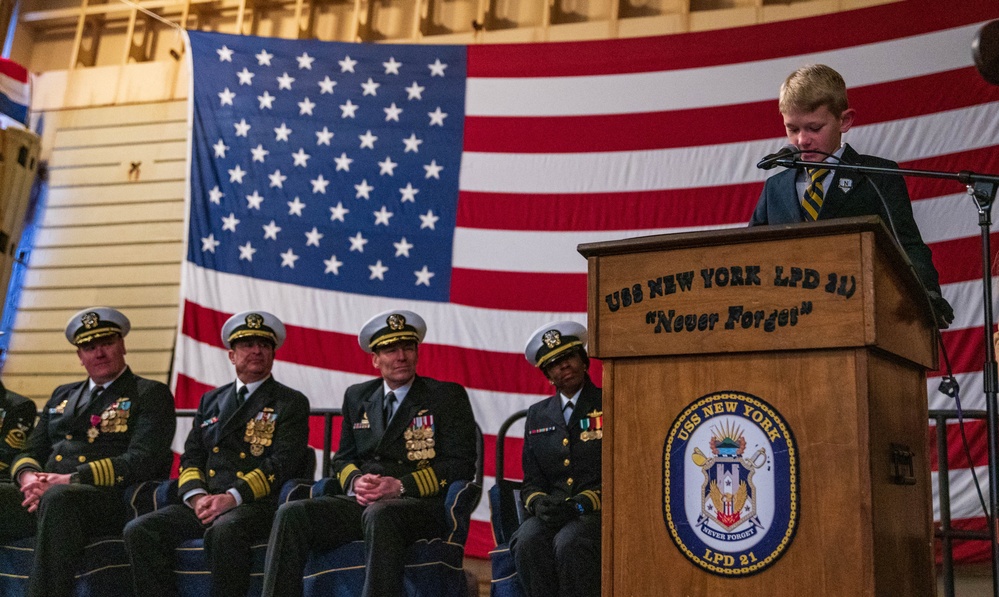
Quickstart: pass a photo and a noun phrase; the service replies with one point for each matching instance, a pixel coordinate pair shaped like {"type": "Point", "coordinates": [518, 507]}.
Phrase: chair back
{"type": "Point", "coordinates": [506, 508]}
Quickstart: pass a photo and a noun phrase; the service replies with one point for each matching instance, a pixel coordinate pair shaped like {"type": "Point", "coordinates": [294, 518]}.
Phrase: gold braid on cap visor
{"type": "Point", "coordinates": [246, 333]}
{"type": "Point", "coordinates": [557, 351]}
{"type": "Point", "coordinates": [89, 335]}
{"type": "Point", "coordinates": [393, 337]}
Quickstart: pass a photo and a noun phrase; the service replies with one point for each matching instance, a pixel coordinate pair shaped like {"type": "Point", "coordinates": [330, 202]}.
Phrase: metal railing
{"type": "Point", "coordinates": [945, 532]}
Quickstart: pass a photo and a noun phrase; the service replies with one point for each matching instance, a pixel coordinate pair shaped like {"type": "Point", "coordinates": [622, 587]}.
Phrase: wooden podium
{"type": "Point", "coordinates": [765, 413]}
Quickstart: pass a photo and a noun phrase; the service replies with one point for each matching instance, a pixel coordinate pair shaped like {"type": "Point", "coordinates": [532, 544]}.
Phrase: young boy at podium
{"type": "Point", "coordinates": [816, 113]}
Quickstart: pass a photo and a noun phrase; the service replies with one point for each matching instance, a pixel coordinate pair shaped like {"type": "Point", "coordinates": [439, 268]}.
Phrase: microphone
{"type": "Point", "coordinates": [770, 161]}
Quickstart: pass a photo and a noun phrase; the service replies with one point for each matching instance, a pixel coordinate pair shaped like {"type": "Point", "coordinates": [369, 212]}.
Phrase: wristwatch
{"type": "Point", "coordinates": [402, 490]}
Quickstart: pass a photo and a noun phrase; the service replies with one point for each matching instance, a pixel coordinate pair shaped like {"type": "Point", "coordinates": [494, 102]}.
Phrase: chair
{"type": "Point", "coordinates": [434, 568]}
{"type": "Point", "coordinates": [506, 514]}
{"type": "Point", "coordinates": [105, 568]}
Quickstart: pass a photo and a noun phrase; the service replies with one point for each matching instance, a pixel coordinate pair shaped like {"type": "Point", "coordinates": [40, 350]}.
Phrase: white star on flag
{"type": "Point", "coordinates": [246, 251]}
{"type": "Point", "coordinates": [382, 216]}
{"type": "Point", "coordinates": [332, 265]}
{"type": "Point", "coordinates": [271, 230]}
{"type": "Point", "coordinates": [423, 276]}
{"type": "Point", "coordinates": [264, 58]}
{"type": "Point", "coordinates": [391, 67]}
{"type": "Point", "coordinates": [378, 270]}
{"type": "Point", "coordinates": [209, 243]}
{"type": "Point", "coordinates": [363, 190]}
{"type": "Point", "coordinates": [259, 153]}
{"type": "Point", "coordinates": [428, 220]}
{"type": "Point", "coordinates": [230, 222]}
{"type": "Point", "coordinates": [357, 242]}
{"type": "Point", "coordinates": [313, 237]}
{"type": "Point", "coordinates": [338, 212]}
{"type": "Point", "coordinates": [402, 247]}
{"type": "Point", "coordinates": [437, 68]}
{"type": "Point", "coordinates": [288, 258]}
{"type": "Point", "coordinates": [295, 207]}
{"type": "Point", "coordinates": [226, 97]}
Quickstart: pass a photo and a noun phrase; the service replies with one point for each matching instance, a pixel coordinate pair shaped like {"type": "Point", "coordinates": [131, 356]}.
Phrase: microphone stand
{"type": "Point", "coordinates": [982, 188]}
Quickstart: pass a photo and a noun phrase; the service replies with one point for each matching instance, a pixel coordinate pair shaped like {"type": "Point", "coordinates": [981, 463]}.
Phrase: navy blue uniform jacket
{"type": "Point", "coordinates": [779, 204]}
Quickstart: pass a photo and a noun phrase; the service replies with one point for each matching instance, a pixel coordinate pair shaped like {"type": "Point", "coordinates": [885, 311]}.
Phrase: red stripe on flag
{"type": "Point", "coordinates": [189, 391]}
{"type": "Point", "coordinates": [677, 208]}
{"type": "Point", "coordinates": [984, 159]}
{"type": "Point", "coordinates": [13, 70]}
{"type": "Point", "coordinates": [519, 291]}
{"type": "Point", "coordinates": [480, 538]}
{"type": "Point", "coordinates": [512, 454]}
{"type": "Point", "coordinates": [622, 132]}
{"type": "Point", "coordinates": [951, 258]}
{"type": "Point", "coordinates": [686, 128]}
{"type": "Point", "coordinates": [974, 430]}
{"type": "Point", "coordinates": [967, 552]}
{"type": "Point", "coordinates": [710, 48]}
{"type": "Point", "coordinates": [966, 349]}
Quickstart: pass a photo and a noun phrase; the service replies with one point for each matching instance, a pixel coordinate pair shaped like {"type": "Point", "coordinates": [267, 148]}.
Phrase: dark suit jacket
{"type": "Point", "coordinates": [549, 444]}
{"type": "Point", "coordinates": [17, 419]}
{"type": "Point", "coordinates": [367, 446]}
{"type": "Point", "coordinates": [221, 452]}
{"type": "Point", "coordinates": [779, 204]}
{"type": "Point", "coordinates": [92, 444]}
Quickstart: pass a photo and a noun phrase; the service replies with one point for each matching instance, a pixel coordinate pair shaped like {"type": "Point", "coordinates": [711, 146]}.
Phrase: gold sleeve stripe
{"type": "Point", "coordinates": [258, 483]}
{"type": "Point", "coordinates": [190, 474]}
{"type": "Point", "coordinates": [26, 461]}
{"type": "Point", "coordinates": [527, 502]}
{"type": "Point", "coordinates": [426, 481]}
{"type": "Point", "coordinates": [345, 475]}
{"type": "Point", "coordinates": [98, 469]}
{"type": "Point", "coordinates": [103, 472]}
{"type": "Point", "coordinates": [594, 498]}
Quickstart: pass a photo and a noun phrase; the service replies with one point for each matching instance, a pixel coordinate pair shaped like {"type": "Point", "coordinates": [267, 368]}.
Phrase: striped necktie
{"type": "Point", "coordinates": [814, 193]}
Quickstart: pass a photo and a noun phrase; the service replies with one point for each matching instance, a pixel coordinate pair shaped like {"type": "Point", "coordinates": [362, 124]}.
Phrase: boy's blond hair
{"type": "Point", "coordinates": [811, 87]}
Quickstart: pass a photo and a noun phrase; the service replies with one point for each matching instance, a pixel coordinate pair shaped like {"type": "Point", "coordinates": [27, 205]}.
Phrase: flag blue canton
{"type": "Point", "coordinates": [329, 165]}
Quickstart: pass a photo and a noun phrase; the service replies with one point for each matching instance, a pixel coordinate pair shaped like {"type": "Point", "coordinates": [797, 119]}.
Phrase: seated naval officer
{"type": "Point", "coordinates": [557, 549]}
{"type": "Point", "coordinates": [95, 437]}
{"type": "Point", "coordinates": [17, 419]}
{"type": "Point", "coordinates": [248, 438]}
{"type": "Point", "coordinates": [404, 439]}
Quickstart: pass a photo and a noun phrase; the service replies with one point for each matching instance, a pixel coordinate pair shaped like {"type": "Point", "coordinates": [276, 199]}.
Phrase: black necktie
{"type": "Point", "coordinates": [567, 411]}
{"type": "Point", "coordinates": [241, 396]}
{"type": "Point", "coordinates": [389, 406]}
{"type": "Point", "coordinates": [94, 393]}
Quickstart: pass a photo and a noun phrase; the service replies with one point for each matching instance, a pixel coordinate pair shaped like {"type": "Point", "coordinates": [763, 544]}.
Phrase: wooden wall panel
{"type": "Point", "coordinates": [122, 192]}
{"type": "Point", "coordinates": [121, 233]}
{"type": "Point", "coordinates": [105, 214]}
{"type": "Point", "coordinates": [104, 238]}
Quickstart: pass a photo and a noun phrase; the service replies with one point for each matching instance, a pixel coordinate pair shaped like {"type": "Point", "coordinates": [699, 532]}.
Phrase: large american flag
{"type": "Point", "coordinates": [331, 181]}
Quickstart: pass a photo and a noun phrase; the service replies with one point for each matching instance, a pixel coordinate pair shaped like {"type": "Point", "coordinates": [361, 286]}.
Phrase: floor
{"type": "Point", "coordinates": [969, 581]}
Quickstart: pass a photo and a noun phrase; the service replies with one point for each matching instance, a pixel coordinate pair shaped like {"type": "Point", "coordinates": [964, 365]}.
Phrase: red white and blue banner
{"type": "Point", "coordinates": [15, 90]}
{"type": "Point", "coordinates": [331, 181]}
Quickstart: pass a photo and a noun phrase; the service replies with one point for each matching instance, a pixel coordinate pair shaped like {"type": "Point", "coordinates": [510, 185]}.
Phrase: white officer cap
{"type": "Point", "coordinates": [389, 327]}
{"type": "Point", "coordinates": [253, 324]}
{"type": "Point", "coordinates": [96, 322]}
{"type": "Point", "coordinates": [553, 340]}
